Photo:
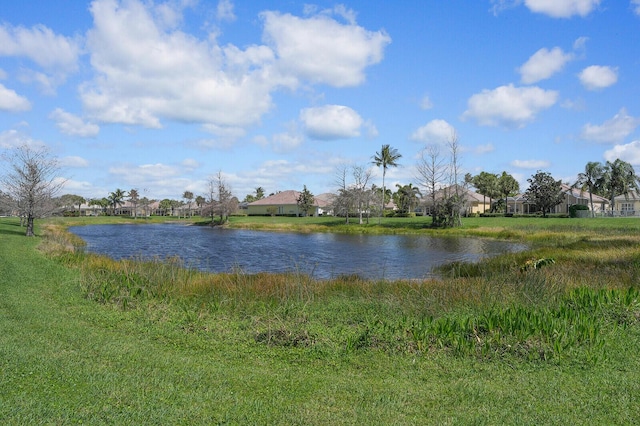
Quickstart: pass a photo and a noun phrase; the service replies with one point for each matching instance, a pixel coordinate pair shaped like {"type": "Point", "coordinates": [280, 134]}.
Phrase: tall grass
{"type": "Point", "coordinates": [536, 305]}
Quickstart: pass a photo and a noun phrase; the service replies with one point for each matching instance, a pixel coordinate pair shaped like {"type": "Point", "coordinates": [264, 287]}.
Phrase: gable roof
{"type": "Point", "coordinates": [290, 197]}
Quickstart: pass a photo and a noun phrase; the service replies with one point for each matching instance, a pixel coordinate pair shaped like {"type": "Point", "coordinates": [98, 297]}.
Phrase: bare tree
{"type": "Point", "coordinates": [220, 199]}
{"type": "Point", "coordinates": [31, 182]}
{"type": "Point", "coordinates": [431, 173]}
{"type": "Point", "coordinates": [361, 178]}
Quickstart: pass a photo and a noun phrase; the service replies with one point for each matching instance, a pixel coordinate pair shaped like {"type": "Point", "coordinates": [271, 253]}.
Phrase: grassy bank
{"type": "Point", "coordinates": [84, 339]}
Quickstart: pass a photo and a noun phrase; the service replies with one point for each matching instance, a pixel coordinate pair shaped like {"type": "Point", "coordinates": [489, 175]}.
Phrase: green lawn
{"type": "Point", "coordinates": [66, 358]}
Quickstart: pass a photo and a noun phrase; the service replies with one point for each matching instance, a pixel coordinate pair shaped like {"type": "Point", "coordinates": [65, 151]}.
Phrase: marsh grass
{"type": "Point", "coordinates": [516, 305]}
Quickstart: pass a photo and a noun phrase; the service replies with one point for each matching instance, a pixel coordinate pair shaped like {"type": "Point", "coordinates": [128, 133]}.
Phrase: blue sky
{"type": "Point", "coordinates": [161, 96]}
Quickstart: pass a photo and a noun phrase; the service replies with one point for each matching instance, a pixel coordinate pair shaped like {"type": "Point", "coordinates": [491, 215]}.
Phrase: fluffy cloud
{"type": "Point", "coordinates": [12, 102]}
{"type": "Point", "coordinates": [508, 105]}
{"type": "Point", "coordinates": [73, 125]}
{"type": "Point", "coordinates": [636, 6]}
{"type": "Point", "coordinates": [41, 45]}
{"type": "Point", "coordinates": [147, 72]}
{"type": "Point", "coordinates": [562, 8]}
{"type": "Point", "coordinates": [331, 122]}
{"type": "Point", "coordinates": [436, 132]}
{"type": "Point", "coordinates": [629, 153]}
{"type": "Point", "coordinates": [543, 64]}
{"type": "Point", "coordinates": [598, 77]}
{"type": "Point", "coordinates": [74, 161]}
{"type": "Point", "coordinates": [530, 164]}
{"type": "Point", "coordinates": [613, 130]}
{"type": "Point", "coordinates": [320, 49]}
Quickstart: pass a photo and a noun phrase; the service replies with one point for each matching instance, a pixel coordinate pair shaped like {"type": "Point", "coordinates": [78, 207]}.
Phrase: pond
{"type": "Point", "coordinates": [321, 255]}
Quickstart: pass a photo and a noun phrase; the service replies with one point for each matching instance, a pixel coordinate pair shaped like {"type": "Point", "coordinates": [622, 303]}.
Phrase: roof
{"type": "Point", "coordinates": [469, 195]}
{"type": "Point", "coordinates": [290, 197]}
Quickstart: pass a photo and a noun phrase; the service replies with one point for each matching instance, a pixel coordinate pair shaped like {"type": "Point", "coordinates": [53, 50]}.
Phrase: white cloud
{"type": "Point", "coordinates": [530, 164]}
{"type": "Point", "coordinates": [72, 125]}
{"type": "Point", "coordinates": [543, 64]}
{"type": "Point", "coordinates": [562, 8]}
{"type": "Point", "coordinates": [286, 141]}
{"type": "Point", "coordinates": [598, 77]}
{"type": "Point", "coordinates": [41, 45]}
{"type": "Point", "coordinates": [436, 132]}
{"type": "Point", "coordinates": [485, 149]}
{"type": "Point", "coordinates": [11, 101]}
{"type": "Point", "coordinates": [12, 139]}
{"type": "Point", "coordinates": [331, 122]}
{"type": "Point", "coordinates": [74, 161]}
{"type": "Point", "coordinates": [636, 6]}
{"type": "Point", "coordinates": [509, 106]}
{"type": "Point", "coordinates": [320, 49]}
{"type": "Point", "coordinates": [426, 103]}
{"type": "Point", "coordinates": [613, 130]}
{"type": "Point", "coordinates": [147, 73]}
{"type": "Point", "coordinates": [629, 152]}
{"type": "Point", "coordinates": [224, 11]}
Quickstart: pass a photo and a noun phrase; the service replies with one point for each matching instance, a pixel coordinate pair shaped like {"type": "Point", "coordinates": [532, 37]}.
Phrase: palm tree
{"type": "Point", "coordinates": [588, 180]}
{"type": "Point", "coordinates": [387, 157]}
{"type": "Point", "coordinates": [134, 197]}
{"type": "Point", "coordinates": [116, 198]}
{"type": "Point", "coordinates": [188, 195]}
{"type": "Point", "coordinates": [619, 178]}
{"type": "Point", "coordinates": [408, 196]}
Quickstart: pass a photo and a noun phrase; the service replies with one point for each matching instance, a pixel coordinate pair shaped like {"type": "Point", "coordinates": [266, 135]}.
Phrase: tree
{"type": "Point", "coordinates": [188, 196]}
{"type": "Point", "coordinates": [507, 187]}
{"type": "Point", "coordinates": [220, 199]}
{"type": "Point", "coordinates": [200, 202]}
{"type": "Point", "coordinates": [165, 206]}
{"type": "Point", "coordinates": [487, 185]}
{"type": "Point", "coordinates": [70, 201]}
{"type": "Point", "coordinates": [259, 195]}
{"type": "Point", "coordinates": [619, 178]}
{"type": "Point", "coordinates": [407, 198]}
{"type": "Point", "coordinates": [32, 182]}
{"type": "Point", "coordinates": [145, 202]}
{"type": "Point", "coordinates": [544, 191]}
{"type": "Point", "coordinates": [305, 201]}
{"type": "Point", "coordinates": [431, 172]}
{"type": "Point", "coordinates": [588, 180]}
{"type": "Point", "coordinates": [134, 197]}
{"type": "Point", "coordinates": [387, 157]}
{"type": "Point", "coordinates": [116, 199]}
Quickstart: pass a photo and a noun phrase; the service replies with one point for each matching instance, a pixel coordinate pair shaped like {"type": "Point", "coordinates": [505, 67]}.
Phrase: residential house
{"type": "Point", "coordinates": [626, 205]}
{"type": "Point", "coordinates": [572, 196]}
{"type": "Point", "coordinates": [474, 202]}
{"type": "Point", "coordinates": [285, 203]}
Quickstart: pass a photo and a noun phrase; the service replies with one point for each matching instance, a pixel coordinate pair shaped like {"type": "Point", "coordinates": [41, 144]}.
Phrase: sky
{"type": "Point", "coordinates": [161, 96]}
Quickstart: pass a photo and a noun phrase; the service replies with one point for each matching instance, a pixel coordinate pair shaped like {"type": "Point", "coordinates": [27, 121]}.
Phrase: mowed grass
{"type": "Point", "coordinates": [87, 340]}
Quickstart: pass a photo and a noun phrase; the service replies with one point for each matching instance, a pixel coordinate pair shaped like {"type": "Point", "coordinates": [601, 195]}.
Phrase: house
{"type": "Point", "coordinates": [285, 203]}
{"type": "Point", "coordinates": [626, 205]}
{"type": "Point", "coordinates": [572, 196]}
{"type": "Point", "coordinates": [474, 202]}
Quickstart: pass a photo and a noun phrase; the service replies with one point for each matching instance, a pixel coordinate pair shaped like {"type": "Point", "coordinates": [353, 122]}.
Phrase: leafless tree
{"type": "Point", "coordinates": [431, 172]}
{"type": "Point", "coordinates": [32, 182]}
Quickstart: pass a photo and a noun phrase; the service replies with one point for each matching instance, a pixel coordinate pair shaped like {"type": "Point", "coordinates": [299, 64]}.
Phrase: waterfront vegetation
{"type": "Point", "coordinates": [545, 336]}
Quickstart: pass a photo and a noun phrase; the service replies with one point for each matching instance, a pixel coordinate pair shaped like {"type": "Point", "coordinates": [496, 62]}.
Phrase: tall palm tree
{"type": "Point", "coordinates": [588, 180]}
{"type": "Point", "coordinates": [619, 178]}
{"type": "Point", "coordinates": [387, 157]}
{"type": "Point", "coordinates": [116, 198]}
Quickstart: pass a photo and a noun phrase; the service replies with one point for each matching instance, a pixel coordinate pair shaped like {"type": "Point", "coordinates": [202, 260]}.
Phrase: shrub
{"type": "Point", "coordinates": [575, 208]}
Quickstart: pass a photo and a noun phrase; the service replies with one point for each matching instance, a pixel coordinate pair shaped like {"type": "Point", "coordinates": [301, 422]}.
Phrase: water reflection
{"type": "Point", "coordinates": [319, 255]}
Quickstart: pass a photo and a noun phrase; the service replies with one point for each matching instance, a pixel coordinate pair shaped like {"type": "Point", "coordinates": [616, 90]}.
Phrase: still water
{"type": "Point", "coordinates": [319, 255]}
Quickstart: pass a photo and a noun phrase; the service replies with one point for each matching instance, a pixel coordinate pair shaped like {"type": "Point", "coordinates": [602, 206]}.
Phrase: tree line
{"type": "Point", "coordinates": [31, 183]}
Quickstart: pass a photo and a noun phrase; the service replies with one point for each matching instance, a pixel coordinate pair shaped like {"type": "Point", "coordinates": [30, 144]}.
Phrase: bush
{"type": "Point", "coordinates": [575, 208]}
